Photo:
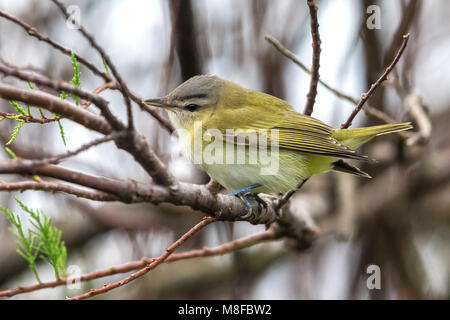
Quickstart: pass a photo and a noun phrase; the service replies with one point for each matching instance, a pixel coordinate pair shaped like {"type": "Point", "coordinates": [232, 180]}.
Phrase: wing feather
{"type": "Point", "coordinates": [296, 132]}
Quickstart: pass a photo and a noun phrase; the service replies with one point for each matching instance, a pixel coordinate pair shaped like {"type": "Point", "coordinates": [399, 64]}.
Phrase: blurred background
{"type": "Point", "coordinates": [399, 220]}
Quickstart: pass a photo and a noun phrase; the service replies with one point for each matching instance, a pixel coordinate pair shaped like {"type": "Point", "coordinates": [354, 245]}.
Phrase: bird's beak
{"type": "Point", "coordinates": [159, 103]}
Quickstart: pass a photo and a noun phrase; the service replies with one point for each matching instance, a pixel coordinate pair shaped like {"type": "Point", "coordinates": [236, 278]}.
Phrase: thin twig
{"type": "Point", "coordinates": [57, 187]}
{"type": "Point", "coordinates": [311, 97]}
{"type": "Point", "coordinates": [84, 147]}
{"type": "Point", "coordinates": [107, 85]}
{"type": "Point", "coordinates": [414, 105]}
{"type": "Point", "coordinates": [28, 118]}
{"type": "Point", "coordinates": [149, 266]}
{"type": "Point", "coordinates": [370, 110]}
{"type": "Point", "coordinates": [32, 31]}
{"type": "Point", "coordinates": [105, 57]}
{"type": "Point", "coordinates": [268, 235]}
{"type": "Point", "coordinates": [285, 198]}
{"type": "Point", "coordinates": [383, 77]}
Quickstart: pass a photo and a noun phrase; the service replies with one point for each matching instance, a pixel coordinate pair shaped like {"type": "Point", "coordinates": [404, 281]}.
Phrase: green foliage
{"type": "Point", "coordinates": [61, 132]}
{"type": "Point", "coordinates": [106, 66]}
{"type": "Point", "coordinates": [18, 108]}
{"type": "Point", "coordinates": [43, 240]}
{"type": "Point", "coordinates": [27, 246]}
{"type": "Point", "coordinates": [28, 106]}
{"type": "Point", "coordinates": [41, 112]}
{"type": "Point", "coordinates": [39, 108]}
{"type": "Point", "coordinates": [11, 153]}
{"type": "Point", "coordinates": [76, 80]}
{"type": "Point", "coordinates": [16, 131]}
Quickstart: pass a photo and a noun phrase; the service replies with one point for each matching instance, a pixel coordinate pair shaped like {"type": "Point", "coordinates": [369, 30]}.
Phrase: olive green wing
{"type": "Point", "coordinates": [293, 131]}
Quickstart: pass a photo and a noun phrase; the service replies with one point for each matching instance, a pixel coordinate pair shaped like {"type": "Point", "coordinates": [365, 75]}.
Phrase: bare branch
{"type": "Point", "coordinates": [149, 266]}
{"type": "Point", "coordinates": [316, 58]}
{"type": "Point", "coordinates": [269, 235]}
{"type": "Point", "coordinates": [20, 166]}
{"type": "Point", "coordinates": [123, 86]}
{"type": "Point", "coordinates": [84, 147]}
{"type": "Point", "coordinates": [106, 77]}
{"type": "Point", "coordinates": [35, 33]}
{"type": "Point", "coordinates": [285, 198]}
{"type": "Point", "coordinates": [103, 87]}
{"type": "Point", "coordinates": [368, 109]}
{"type": "Point", "coordinates": [57, 187]}
{"type": "Point", "coordinates": [414, 105]}
{"type": "Point", "coordinates": [366, 96]}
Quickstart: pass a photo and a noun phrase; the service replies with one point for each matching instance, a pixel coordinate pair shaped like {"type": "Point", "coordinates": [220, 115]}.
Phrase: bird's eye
{"type": "Point", "coordinates": [191, 107]}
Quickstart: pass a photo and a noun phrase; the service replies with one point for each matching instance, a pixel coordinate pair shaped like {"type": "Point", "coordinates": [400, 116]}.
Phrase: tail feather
{"type": "Point", "coordinates": [343, 166]}
{"type": "Point", "coordinates": [353, 138]}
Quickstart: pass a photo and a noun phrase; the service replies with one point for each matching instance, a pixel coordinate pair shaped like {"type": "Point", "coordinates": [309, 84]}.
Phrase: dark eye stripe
{"type": "Point", "coordinates": [194, 96]}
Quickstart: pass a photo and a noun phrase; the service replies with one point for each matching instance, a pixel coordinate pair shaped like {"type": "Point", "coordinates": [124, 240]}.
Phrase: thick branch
{"type": "Point", "coordinates": [101, 103]}
{"type": "Point", "coordinates": [57, 187]}
{"type": "Point", "coordinates": [116, 187]}
{"type": "Point", "coordinates": [198, 197]}
{"type": "Point", "coordinates": [55, 104]}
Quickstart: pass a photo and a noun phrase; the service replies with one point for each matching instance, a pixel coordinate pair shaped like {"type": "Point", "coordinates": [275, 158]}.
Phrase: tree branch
{"type": "Point", "coordinates": [32, 31]}
{"type": "Point", "coordinates": [101, 103]}
{"type": "Point", "coordinates": [366, 96]}
{"type": "Point", "coordinates": [368, 109]}
{"type": "Point", "coordinates": [149, 266]}
{"type": "Point", "coordinates": [123, 86]}
{"type": "Point", "coordinates": [311, 97]}
{"type": "Point", "coordinates": [269, 235]}
{"type": "Point", "coordinates": [55, 104]}
{"type": "Point", "coordinates": [57, 187]}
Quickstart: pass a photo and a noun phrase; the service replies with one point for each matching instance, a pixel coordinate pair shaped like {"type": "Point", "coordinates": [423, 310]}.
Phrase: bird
{"type": "Point", "coordinates": [225, 114]}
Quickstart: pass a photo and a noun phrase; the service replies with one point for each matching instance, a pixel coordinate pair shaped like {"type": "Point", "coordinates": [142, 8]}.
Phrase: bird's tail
{"type": "Point", "coordinates": [354, 138]}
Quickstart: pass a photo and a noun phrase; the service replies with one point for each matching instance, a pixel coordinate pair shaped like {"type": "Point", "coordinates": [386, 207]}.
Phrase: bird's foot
{"type": "Point", "coordinates": [245, 194]}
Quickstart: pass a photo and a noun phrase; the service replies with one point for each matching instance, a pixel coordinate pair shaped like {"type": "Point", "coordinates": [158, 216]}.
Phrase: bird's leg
{"type": "Point", "coordinates": [244, 190]}
{"type": "Point", "coordinates": [244, 193]}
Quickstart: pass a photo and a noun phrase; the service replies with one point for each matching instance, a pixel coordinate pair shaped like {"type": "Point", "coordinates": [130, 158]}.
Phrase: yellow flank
{"type": "Point", "coordinates": [306, 145]}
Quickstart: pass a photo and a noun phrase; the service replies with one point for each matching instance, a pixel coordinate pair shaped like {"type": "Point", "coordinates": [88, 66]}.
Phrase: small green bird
{"type": "Point", "coordinates": [206, 105]}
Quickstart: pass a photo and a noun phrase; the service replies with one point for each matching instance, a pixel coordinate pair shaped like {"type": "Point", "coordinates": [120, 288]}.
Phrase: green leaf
{"type": "Point", "coordinates": [106, 66]}
{"type": "Point", "coordinates": [76, 80]}
{"type": "Point", "coordinates": [51, 249]}
{"type": "Point", "coordinates": [16, 131]}
{"type": "Point", "coordinates": [41, 112]}
{"type": "Point", "coordinates": [63, 95]}
{"type": "Point", "coordinates": [61, 132]}
{"type": "Point", "coordinates": [11, 153]}
{"type": "Point", "coordinates": [18, 108]}
{"type": "Point", "coordinates": [16, 117]}
{"type": "Point", "coordinates": [26, 245]}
